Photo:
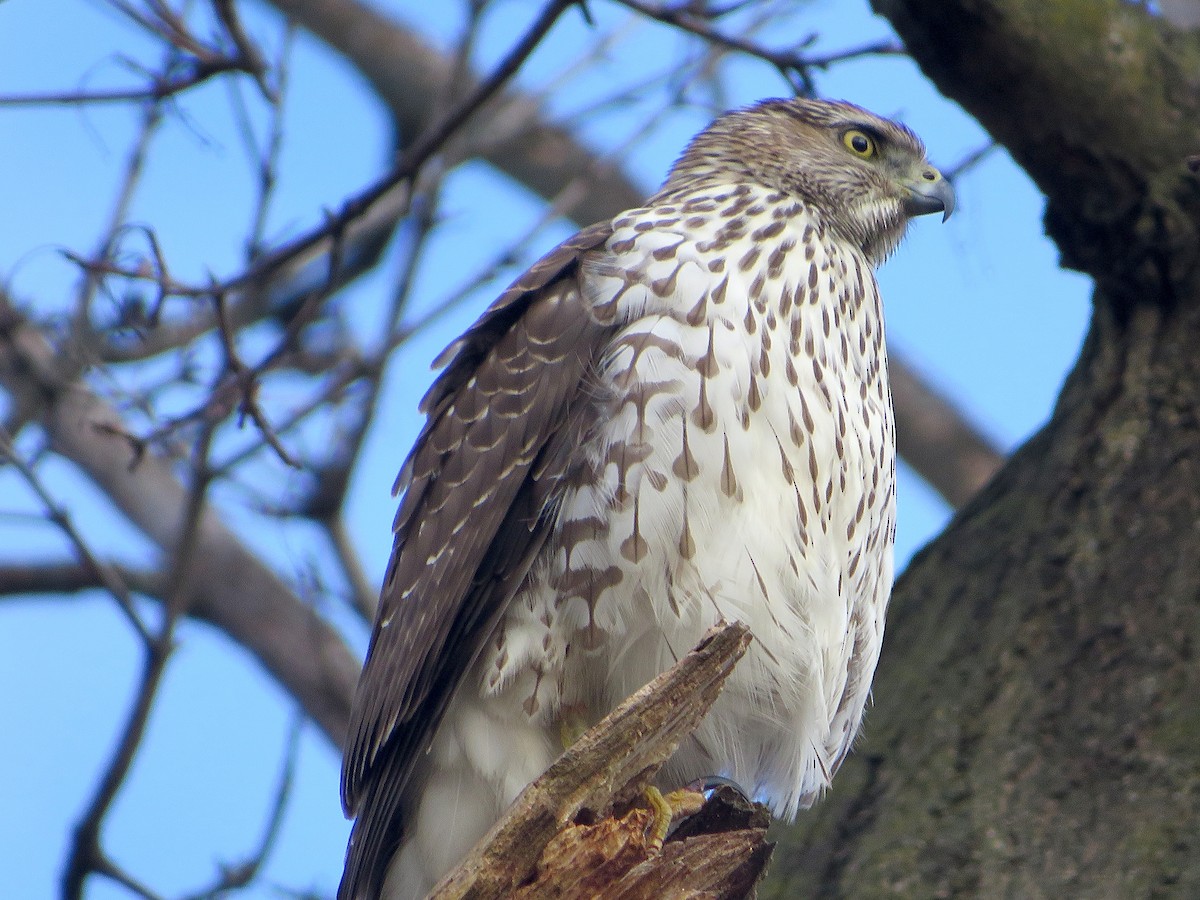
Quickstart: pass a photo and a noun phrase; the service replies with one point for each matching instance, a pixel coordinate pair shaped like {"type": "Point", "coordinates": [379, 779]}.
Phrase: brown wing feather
{"type": "Point", "coordinates": [477, 487]}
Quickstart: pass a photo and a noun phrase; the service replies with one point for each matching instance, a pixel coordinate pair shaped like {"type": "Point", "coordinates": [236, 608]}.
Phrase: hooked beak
{"type": "Point", "coordinates": [929, 192]}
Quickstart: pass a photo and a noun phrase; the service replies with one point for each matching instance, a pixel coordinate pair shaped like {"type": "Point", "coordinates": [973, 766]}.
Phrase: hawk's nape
{"type": "Point", "coordinates": [676, 417]}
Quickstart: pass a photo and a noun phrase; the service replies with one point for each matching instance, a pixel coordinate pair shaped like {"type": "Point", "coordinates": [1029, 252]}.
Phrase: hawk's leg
{"type": "Point", "coordinates": [710, 783]}
{"type": "Point", "coordinates": [685, 801]}
{"type": "Point", "coordinates": [572, 724]}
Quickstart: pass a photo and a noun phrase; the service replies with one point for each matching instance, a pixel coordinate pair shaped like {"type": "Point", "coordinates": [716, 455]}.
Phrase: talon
{"type": "Point", "coordinates": [571, 726]}
{"type": "Point", "coordinates": [710, 783]}
{"type": "Point", "coordinates": [682, 802]}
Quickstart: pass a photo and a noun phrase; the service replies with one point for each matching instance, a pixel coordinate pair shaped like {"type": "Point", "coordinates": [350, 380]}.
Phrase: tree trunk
{"type": "Point", "coordinates": [1036, 729]}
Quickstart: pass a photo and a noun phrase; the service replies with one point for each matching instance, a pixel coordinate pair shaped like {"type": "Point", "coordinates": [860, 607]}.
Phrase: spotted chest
{"type": "Point", "coordinates": [742, 467]}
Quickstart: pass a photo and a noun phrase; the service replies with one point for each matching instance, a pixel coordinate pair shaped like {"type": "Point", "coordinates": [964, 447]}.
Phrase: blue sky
{"type": "Point", "coordinates": [978, 305]}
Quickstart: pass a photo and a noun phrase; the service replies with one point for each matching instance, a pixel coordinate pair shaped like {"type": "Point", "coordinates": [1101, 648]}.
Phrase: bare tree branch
{"type": "Point", "coordinates": [406, 73]}
{"type": "Point", "coordinates": [86, 855]}
{"type": "Point", "coordinates": [193, 62]}
{"type": "Point", "coordinates": [105, 576]}
{"type": "Point", "coordinates": [794, 66]}
{"type": "Point", "coordinates": [935, 439]}
{"type": "Point", "coordinates": [157, 89]}
{"type": "Point", "coordinates": [242, 874]}
{"type": "Point", "coordinates": [234, 590]}
{"type": "Point", "coordinates": [319, 263]}
{"type": "Point", "coordinates": [51, 578]}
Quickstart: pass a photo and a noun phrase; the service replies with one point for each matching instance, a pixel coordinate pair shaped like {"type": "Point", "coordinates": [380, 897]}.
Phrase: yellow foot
{"type": "Point", "coordinates": [683, 802]}
{"type": "Point", "coordinates": [572, 723]}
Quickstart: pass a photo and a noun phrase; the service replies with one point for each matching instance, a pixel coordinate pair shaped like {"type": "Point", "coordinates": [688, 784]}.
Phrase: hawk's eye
{"type": "Point", "coordinates": [859, 143]}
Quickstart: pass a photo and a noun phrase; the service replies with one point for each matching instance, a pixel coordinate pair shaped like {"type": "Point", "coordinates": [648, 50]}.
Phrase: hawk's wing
{"type": "Point", "coordinates": [472, 519]}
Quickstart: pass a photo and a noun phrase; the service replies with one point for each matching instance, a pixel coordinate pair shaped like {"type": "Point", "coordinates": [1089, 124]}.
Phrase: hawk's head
{"type": "Point", "coordinates": [866, 175]}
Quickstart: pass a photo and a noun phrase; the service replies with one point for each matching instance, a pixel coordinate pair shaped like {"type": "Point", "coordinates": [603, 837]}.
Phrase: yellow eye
{"type": "Point", "coordinates": [859, 143]}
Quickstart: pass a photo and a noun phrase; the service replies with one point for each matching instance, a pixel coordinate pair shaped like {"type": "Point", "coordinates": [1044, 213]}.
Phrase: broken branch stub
{"type": "Point", "coordinates": [560, 837]}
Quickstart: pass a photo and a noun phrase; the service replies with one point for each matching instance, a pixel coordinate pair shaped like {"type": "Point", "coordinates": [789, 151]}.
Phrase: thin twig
{"type": "Point", "coordinates": [106, 575]}
{"type": "Point", "coordinates": [405, 170]}
{"type": "Point", "coordinates": [350, 372]}
{"type": "Point", "coordinates": [970, 161]}
{"type": "Point", "coordinates": [134, 166]}
{"type": "Point", "coordinates": [788, 62]}
{"type": "Point", "coordinates": [161, 22]}
{"type": "Point", "coordinates": [102, 865]}
{"type": "Point", "coordinates": [246, 380]}
{"type": "Point", "coordinates": [249, 55]}
{"type": "Point", "coordinates": [364, 596]}
{"type": "Point", "coordinates": [242, 874]}
{"type": "Point", "coordinates": [159, 88]}
{"type": "Point", "coordinates": [86, 854]}
{"type": "Point", "coordinates": [266, 162]}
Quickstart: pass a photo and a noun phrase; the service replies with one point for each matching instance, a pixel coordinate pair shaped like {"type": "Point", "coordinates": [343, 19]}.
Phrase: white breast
{"type": "Point", "coordinates": [744, 470]}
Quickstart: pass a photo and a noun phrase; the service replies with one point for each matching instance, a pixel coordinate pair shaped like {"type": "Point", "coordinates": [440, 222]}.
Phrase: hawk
{"type": "Point", "coordinates": [677, 417]}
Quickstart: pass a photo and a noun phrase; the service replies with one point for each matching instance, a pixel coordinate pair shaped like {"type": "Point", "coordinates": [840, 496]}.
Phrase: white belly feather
{"type": "Point", "coordinates": [744, 470]}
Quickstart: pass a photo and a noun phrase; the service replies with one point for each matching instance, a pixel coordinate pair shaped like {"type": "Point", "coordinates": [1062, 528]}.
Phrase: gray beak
{"type": "Point", "coordinates": [929, 193]}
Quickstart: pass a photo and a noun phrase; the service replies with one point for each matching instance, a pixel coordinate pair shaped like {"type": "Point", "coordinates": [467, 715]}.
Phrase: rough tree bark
{"type": "Point", "coordinates": [1036, 730]}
